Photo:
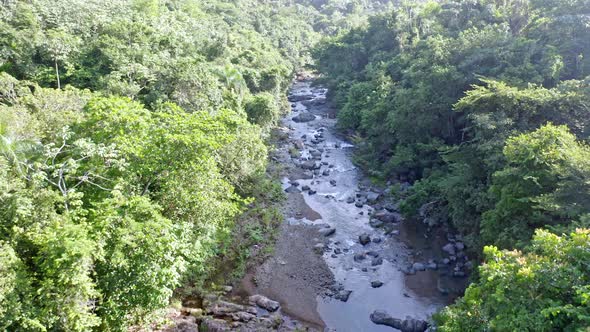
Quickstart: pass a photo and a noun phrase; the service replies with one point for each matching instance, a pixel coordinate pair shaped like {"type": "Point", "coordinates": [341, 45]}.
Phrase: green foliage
{"type": "Point", "coordinates": [496, 112]}
{"type": "Point", "coordinates": [262, 110]}
{"type": "Point", "coordinates": [434, 90]}
{"type": "Point", "coordinates": [107, 205]}
{"type": "Point", "coordinates": [546, 181]}
{"type": "Point", "coordinates": [132, 177]}
{"type": "Point", "coordinates": [16, 293]}
{"type": "Point", "coordinates": [137, 267]}
{"type": "Point", "coordinates": [544, 288]}
{"type": "Point", "coordinates": [477, 114]}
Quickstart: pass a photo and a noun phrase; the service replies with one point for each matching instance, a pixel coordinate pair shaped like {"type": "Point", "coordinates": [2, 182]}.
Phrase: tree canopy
{"type": "Point", "coordinates": [479, 110]}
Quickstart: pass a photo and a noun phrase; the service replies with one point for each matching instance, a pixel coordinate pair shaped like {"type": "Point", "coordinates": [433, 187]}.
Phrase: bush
{"type": "Point", "coordinates": [262, 109]}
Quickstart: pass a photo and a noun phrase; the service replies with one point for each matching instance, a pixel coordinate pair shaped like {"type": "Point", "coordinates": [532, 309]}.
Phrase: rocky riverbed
{"type": "Point", "coordinates": [345, 258]}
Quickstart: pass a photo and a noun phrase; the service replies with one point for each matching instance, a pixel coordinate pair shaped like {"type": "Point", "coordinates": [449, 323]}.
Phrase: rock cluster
{"type": "Point", "coordinates": [219, 315]}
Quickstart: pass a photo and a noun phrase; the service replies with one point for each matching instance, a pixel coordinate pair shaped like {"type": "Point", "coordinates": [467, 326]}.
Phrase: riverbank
{"type": "Point", "coordinates": [327, 192]}
{"type": "Point", "coordinates": [344, 251]}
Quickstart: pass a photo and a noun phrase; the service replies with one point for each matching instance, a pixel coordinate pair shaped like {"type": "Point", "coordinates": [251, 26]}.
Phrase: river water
{"type": "Point", "coordinates": [417, 295]}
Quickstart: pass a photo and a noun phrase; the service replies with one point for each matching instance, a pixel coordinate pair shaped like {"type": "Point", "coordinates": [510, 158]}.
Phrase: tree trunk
{"type": "Point", "coordinates": [57, 74]}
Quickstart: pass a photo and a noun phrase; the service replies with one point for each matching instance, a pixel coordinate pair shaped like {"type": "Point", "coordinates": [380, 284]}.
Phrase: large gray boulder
{"type": "Point", "coordinates": [311, 165]}
{"type": "Point", "coordinates": [304, 117]}
{"type": "Point", "coordinates": [264, 302]}
{"type": "Point", "coordinates": [405, 325]}
{"type": "Point", "coordinates": [388, 217]}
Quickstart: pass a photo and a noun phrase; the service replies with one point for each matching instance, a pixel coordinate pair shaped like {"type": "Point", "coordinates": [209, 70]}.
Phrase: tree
{"type": "Point", "coordinates": [60, 45]}
{"type": "Point", "coordinates": [262, 110]}
{"type": "Point", "coordinates": [546, 181]}
{"type": "Point", "coordinates": [544, 288]}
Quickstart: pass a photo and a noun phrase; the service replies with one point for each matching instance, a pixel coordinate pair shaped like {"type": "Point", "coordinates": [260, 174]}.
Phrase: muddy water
{"type": "Point", "coordinates": [418, 295]}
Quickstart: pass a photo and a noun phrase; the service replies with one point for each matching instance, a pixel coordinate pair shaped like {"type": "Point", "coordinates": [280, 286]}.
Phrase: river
{"type": "Point", "coordinates": [309, 273]}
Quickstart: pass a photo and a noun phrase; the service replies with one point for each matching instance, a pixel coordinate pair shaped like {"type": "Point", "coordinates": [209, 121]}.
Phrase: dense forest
{"type": "Point", "coordinates": [477, 113]}
{"type": "Point", "coordinates": [134, 141]}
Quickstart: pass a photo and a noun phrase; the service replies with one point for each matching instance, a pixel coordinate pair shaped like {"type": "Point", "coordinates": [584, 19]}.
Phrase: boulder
{"type": "Point", "coordinates": [242, 316]}
{"type": "Point", "coordinates": [377, 261]}
{"type": "Point", "coordinates": [271, 323]}
{"type": "Point", "coordinates": [373, 197]}
{"type": "Point", "coordinates": [406, 325]}
{"type": "Point", "coordinates": [304, 117]}
{"type": "Point", "coordinates": [386, 216]}
{"type": "Point", "coordinates": [310, 165]}
{"type": "Point", "coordinates": [376, 223]}
{"type": "Point", "coordinates": [376, 284]}
{"type": "Point", "coordinates": [292, 190]}
{"type": "Point", "coordinates": [264, 302]}
{"type": "Point", "coordinates": [215, 325]}
{"type": "Point", "coordinates": [327, 231]}
{"type": "Point", "coordinates": [343, 295]}
{"type": "Point", "coordinates": [364, 239]}
{"type": "Point", "coordinates": [186, 326]}
{"type": "Point", "coordinates": [359, 257]}
{"type": "Point", "coordinates": [224, 308]}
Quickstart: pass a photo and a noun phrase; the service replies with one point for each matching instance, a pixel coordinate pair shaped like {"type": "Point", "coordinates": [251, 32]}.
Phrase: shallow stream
{"type": "Point", "coordinates": [337, 181]}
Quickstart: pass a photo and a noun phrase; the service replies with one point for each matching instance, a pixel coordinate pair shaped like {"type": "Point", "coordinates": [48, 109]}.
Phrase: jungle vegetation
{"type": "Point", "coordinates": [134, 137]}
{"type": "Point", "coordinates": [133, 147]}
{"type": "Point", "coordinates": [477, 114]}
